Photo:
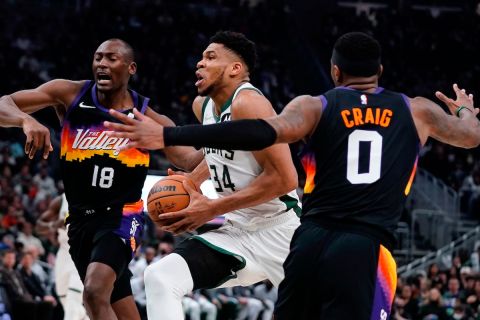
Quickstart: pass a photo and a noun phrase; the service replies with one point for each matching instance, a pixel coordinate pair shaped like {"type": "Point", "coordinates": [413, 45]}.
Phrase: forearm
{"type": "Point", "coordinates": [200, 174]}
{"type": "Point", "coordinates": [238, 135]}
{"type": "Point", "coordinates": [10, 114]}
{"type": "Point", "coordinates": [185, 158]}
{"type": "Point", "coordinates": [263, 189]}
{"type": "Point", "coordinates": [471, 126]}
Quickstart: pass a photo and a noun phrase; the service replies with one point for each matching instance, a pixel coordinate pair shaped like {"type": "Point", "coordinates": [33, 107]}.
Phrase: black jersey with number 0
{"type": "Point", "coordinates": [360, 161]}
{"type": "Point", "coordinates": [95, 175]}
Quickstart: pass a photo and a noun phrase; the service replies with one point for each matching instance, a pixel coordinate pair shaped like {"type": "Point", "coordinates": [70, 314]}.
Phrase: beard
{"type": "Point", "coordinates": [208, 90]}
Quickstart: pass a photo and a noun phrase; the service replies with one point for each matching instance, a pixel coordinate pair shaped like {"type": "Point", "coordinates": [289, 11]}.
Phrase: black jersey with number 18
{"type": "Point", "coordinates": [95, 175]}
{"type": "Point", "coordinates": [360, 161]}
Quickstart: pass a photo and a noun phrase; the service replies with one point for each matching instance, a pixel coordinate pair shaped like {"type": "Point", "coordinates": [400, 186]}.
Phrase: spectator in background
{"type": "Point", "coordinates": [268, 294]}
{"type": "Point", "coordinates": [433, 306]}
{"type": "Point", "coordinates": [45, 183]}
{"type": "Point", "coordinates": [32, 282]}
{"type": "Point", "coordinates": [471, 191]}
{"type": "Point", "coordinates": [23, 304]}
{"type": "Point", "coordinates": [26, 237]}
{"type": "Point", "coordinates": [453, 294]}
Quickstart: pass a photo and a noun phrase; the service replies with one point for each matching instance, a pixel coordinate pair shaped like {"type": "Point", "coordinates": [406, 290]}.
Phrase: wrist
{"type": "Point", "coordinates": [23, 118]}
{"type": "Point", "coordinates": [460, 109]}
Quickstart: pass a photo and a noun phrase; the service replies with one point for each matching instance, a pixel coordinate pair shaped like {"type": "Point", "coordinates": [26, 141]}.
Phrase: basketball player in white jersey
{"type": "Point", "coordinates": [68, 285]}
{"type": "Point", "coordinates": [256, 190]}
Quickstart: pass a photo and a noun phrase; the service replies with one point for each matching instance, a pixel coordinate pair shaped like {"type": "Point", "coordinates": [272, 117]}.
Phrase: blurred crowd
{"type": "Point", "coordinates": [450, 292]}
{"type": "Point", "coordinates": [51, 39]}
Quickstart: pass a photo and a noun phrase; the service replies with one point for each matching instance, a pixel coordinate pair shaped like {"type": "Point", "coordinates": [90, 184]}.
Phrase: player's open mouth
{"type": "Point", "coordinates": [103, 78]}
{"type": "Point", "coordinates": [200, 79]}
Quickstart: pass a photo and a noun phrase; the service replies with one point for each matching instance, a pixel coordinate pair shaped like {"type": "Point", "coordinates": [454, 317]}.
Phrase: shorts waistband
{"type": "Point", "coordinates": [126, 210]}
{"type": "Point", "coordinates": [267, 223]}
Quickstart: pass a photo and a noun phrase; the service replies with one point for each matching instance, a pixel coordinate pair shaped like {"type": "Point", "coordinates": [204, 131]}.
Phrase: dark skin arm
{"type": "Point", "coordinates": [16, 107]}
{"type": "Point", "coordinates": [48, 220]}
{"type": "Point", "coordinates": [432, 121]}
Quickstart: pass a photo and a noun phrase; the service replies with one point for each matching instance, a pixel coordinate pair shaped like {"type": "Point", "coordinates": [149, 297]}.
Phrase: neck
{"type": "Point", "coordinates": [118, 100]}
{"type": "Point", "coordinates": [369, 84]}
{"type": "Point", "coordinates": [221, 96]}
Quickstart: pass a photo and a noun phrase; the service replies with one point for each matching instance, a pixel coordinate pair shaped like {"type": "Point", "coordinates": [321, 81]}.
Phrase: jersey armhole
{"type": "Point", "coordinates": [204, 106]}
{"type": "Point", "coordinates": [75, 101]}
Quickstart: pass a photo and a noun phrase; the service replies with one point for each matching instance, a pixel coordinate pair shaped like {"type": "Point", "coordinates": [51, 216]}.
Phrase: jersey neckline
{"type": "Point", "coordinates": [104, 109]}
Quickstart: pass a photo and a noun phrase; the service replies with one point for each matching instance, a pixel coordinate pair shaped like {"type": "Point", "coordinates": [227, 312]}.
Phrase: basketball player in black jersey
{"type": "Point", "coordinates": [361, 156]}
{"type": "Point", "coordinates": [102, 186]}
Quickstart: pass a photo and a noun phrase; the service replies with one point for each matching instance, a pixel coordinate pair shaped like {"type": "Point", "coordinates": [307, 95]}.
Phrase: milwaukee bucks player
{"type": "Point", "coordinates": [256, 190]}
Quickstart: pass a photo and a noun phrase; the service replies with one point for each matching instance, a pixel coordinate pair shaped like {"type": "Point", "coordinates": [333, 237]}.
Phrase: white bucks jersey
{"type": "Point", "coordinates": [62, 232]}
{"type": "Point", "coordinates": [233, 170]}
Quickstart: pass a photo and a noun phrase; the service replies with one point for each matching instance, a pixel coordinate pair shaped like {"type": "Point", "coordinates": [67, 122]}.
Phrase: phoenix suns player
{"type": "Point", "coordinates": [102, 186]}
{"type": "Point", "coordinates": [362, 150]}
{"type": "Point", "coordinates": [256, 189]}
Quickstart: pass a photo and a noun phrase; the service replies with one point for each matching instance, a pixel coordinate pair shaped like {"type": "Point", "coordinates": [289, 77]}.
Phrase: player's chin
{"type": "Point", "coordinates": [203, 91]}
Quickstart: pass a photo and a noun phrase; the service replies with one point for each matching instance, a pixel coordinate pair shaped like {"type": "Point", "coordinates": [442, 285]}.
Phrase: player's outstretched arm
{"type": "Point", "coordinates": [461, 129]}
{"type": "Point", "coordinates": [48, 220]}
{"type": "Point", "coordinates": [15, 110]}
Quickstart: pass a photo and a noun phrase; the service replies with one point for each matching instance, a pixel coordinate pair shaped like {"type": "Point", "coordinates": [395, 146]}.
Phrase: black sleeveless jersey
{"type": "Point", "coordinates": [361, 160]}
{"type": "Point", "coordinates": [94, 174]}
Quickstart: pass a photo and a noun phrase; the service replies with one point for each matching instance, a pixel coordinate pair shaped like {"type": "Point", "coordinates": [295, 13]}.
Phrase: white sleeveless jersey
{"type": "Point", "coordinates": [62, 232]}
{"type": "Point", "coordinates": [233, 170]}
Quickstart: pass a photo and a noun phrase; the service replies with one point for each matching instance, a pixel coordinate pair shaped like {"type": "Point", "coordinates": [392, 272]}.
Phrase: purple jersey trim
{"type": "Point", "coordinates": [145, 105]}
{"type": "Point", "coordinates": [135, 98]}
{"type": "Point", "coordinates": [407, 101]}
{"type": "Point", "coordinates": [377, 90]}
{"type": "Point", "coordinates": [76, 100]}
{"type": "Point", "coordinates": [324, 102]}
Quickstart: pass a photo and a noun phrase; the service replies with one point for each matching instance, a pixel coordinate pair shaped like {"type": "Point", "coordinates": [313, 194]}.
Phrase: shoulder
{"type": "Point", "coordinates": [160, 118]}
{"type": "Point", "coordinates": [198, 106]}
{"type": "Point", "coordinates": [250, 103]}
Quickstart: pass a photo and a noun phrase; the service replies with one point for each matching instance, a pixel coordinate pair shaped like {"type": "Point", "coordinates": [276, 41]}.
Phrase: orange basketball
{"type": "Point", "coordinates": [168, 195]}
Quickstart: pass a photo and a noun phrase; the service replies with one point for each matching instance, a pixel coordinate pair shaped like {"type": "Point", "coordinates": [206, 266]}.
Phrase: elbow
{"type": "Point", "coordinates": [291, 183]}
{"type": "Point", "coordinates": [472, 142]}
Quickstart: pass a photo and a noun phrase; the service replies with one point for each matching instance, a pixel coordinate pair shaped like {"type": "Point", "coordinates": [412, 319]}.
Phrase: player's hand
{"type": "Point", "coordinates": [462, 99]}
{"type": "Point", "coordinates": [188, 175]}
{"type": "Point", "coordinates": [142, 131]}
{"type": "Point", "coordinates": [199, 211]}
{"type": "Point", "coordinates": [38, 137]}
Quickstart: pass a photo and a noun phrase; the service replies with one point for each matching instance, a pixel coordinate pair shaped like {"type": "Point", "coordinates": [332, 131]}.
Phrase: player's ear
{"type": "Point", "coordinates": [132, 68]}
{"type": "Point", "coordinates": [237, 67]}
{"type": "Point", "coordinates": [336, 73]}
{"type": "Point", "coordinates": [380, 71]}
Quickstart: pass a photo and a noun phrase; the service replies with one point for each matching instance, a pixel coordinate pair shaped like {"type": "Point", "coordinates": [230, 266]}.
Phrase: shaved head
{"type": "Point", "coordinates": [127, 49]}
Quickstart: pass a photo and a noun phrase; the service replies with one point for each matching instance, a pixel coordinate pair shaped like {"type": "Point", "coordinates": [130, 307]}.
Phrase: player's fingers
{"type": "Point", "coordinates": [129, 145]}
{"type": "Point", "coordinates": [37, 143]}
{"type": "Point", "coordinates": [119, 127]}
{"type": "Point", "coordinates": [476, 111]}
{"type": "Point", "coordinates": [172, 172]}
{"type": "Point", "coordinates": [188, 187]}
{"type": "Point", "coordinates": [138, 115]}
{"type": "Point", "coordinates": [448, 101]}
{"type": "Point", "coordinates": [47, 146]}
{"type": "Point", "coordinates": [171, 215]}
{"type": "Point", "coordinates": [122, 117]}
{"type": "Point", "coordinates": [28, 143]}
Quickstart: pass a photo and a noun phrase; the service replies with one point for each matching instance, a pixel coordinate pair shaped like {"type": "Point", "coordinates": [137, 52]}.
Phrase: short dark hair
{"type": "Point", "coordinates": [357, 53]}
{"type": "Point", "coordinates": [240, 44]}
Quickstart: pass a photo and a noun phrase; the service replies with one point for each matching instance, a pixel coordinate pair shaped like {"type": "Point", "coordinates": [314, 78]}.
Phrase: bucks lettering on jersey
{"type": "Point", "coordinates": [95, 175]}
{"type": "Point", "coordinates": [233, 170]}
{"type": "Point", "coordinates": [361, 159]}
